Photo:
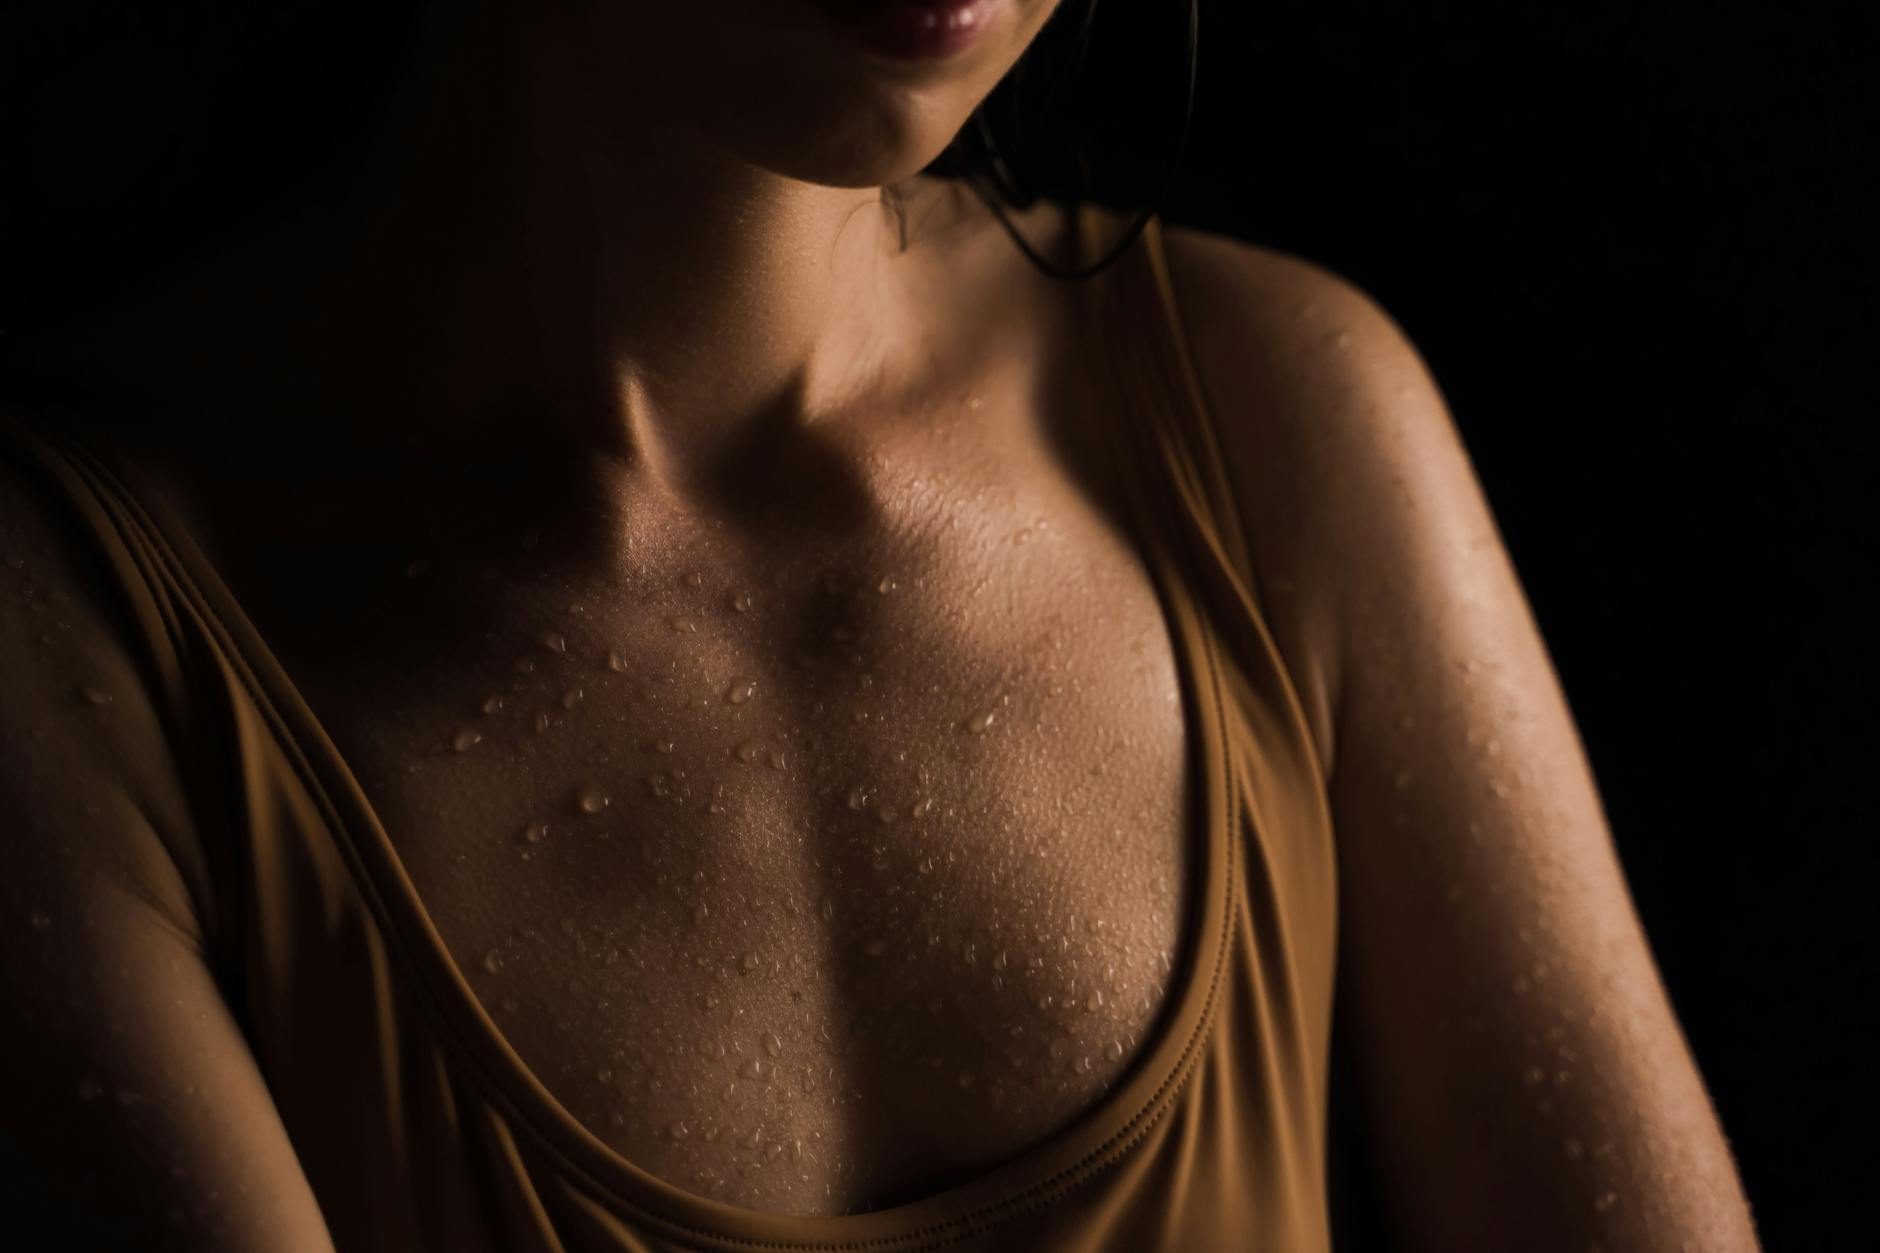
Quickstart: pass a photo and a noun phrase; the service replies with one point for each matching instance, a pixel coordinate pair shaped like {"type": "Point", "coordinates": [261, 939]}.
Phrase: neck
{"type": "Point", "coordinates": [516, 274]}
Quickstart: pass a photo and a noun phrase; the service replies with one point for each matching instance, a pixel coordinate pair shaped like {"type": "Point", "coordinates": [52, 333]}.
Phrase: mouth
{"type": "Point", "coordinates": [918, 30]}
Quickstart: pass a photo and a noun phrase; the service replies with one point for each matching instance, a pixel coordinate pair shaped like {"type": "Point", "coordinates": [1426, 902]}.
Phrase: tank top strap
{"type": "Point", "coordinates": [83, 485]}
{"type": "Point", "coordinates": [1170, 454]}
{"type": "Point", "coordinates": [164, 639]}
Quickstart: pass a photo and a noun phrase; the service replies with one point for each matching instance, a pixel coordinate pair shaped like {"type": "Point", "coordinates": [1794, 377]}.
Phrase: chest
{"type": "Point", "coordinates": [811, 873]}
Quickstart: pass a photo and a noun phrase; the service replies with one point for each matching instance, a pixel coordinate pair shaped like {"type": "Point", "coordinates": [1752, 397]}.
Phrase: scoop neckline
{"type": "Point", "coordinates": [1033, 1178]}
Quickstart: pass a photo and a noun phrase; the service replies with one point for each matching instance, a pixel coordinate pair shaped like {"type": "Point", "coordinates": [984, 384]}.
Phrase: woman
{"type": "Point", "coordinates": [638, 678]}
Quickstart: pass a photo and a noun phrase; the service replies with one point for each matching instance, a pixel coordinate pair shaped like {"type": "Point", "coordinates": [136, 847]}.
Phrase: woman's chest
{"type": "Point", "coordinates": [811, 882]}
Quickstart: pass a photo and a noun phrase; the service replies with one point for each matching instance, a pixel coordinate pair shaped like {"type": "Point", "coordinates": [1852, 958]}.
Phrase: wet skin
{"type": "Point", "coordinates": [818, 837]}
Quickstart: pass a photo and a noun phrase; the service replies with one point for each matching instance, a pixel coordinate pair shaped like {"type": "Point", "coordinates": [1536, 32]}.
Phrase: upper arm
{"type": "Point", "coordinates": [1522, 1076]}
{"type": "Point", "coordinates": [134, 1115]}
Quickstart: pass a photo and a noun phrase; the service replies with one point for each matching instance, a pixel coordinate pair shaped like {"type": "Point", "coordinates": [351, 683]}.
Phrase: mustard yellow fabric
{"type": "Point", "coordinates": [419, 1127]}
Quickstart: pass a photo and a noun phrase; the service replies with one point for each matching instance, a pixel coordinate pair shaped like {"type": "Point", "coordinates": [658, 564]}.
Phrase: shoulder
{"type": "Point", "coordinates": [91, 797]}
{"type": "Point", "coordinates": [1322, 406]}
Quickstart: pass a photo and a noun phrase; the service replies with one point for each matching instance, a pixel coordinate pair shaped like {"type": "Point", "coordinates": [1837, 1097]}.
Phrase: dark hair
{"type": "Point", "coordinates": [1005, 149]}
{"type": "Point", "coordinates": [133, 134]}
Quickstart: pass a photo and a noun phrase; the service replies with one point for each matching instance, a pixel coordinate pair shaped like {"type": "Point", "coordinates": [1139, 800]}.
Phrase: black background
{"type": "Point", "coordinates": [1635, 243]}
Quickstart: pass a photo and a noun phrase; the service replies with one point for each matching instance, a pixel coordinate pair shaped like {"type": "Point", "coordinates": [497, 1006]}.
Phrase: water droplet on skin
{"type": "Point", "coordinates": [772, 1044]}
{"type": "Point", "coordinates": [740, 691]}
{"type": "Point", "coordinates": [695, 579]}
{"type": "Point", "coordinates": [756, 1068]}
{"type": "Point", "coordinates": [679, 1130]}
{"type": "Point", "coordinates": [94, 696]}
{"type": "Point", "coordinates": [875, 948]}
{"type": "Point", "coordinates": [541, 722]}
{"type": "Point", "coordinates": [886, 814]}
{"type": "Point", "coordinates": [1533, 1075]}
{"type": "Point", "coordinates": [663, 746]}
{"type": "Point", "coordinates": [741, 603]}
{"type": "Point", "coordinates": [925, 866]}
{"type": "Point", "coordinates": [1083, 1066]}
{"type": "Point", "coordinates": [553, 642]}
{"type": "Point", "coordinates": [616, 662]}
{"type": "Point", "coordinates": [535, 832]}
{"type": "Point", "coordinates": [466, 740]}
{"type": "Point", "coordinates": [684, 625]}
{"type": "Point", "coordinates": [1094, 1004]}
{"type": "Point", "coordinates": [886, 585]}
{"type": "Point", "coordinates": [493, 961]}
{"type": "Point", "coordinates": [592, 800]}
{"type": "Point", "coordinates": [1575, 1149]}
{"type": "Point", "coordinates": [859, 797]}
{"type": "Point", "coordinates": [749, 962]}
{"type": "Point", "coordinates": [571, 698]}
{"type": "Point", "coordinates": [493, 705]}
{"type": "Point", "coordinates": [979, 723]}
{"type": "Point", "coordinates": [1113, 1050]}
{"type": "Point", "coordinates": [1605, 1201]}
{"type": "Point", "coordinates": [747, 751]}
{"type": "Point", "coordinates": [776, 759]}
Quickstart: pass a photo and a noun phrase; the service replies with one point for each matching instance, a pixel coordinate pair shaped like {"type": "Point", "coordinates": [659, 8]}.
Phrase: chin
{"type": "Point", "coordinates": [786, 85]}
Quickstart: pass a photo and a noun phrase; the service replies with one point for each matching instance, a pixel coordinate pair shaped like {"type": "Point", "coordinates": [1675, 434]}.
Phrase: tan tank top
{"type": "Point", "coordinates": [419, 1127]}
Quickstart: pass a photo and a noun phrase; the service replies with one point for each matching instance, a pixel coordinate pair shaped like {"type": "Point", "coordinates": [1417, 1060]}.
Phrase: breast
{"type": "Point", "coordinates": [812, 880]}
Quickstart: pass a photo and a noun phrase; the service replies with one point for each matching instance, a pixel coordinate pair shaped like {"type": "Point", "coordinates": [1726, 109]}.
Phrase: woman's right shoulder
{"type": "Point", "coordinates": [88, 778]}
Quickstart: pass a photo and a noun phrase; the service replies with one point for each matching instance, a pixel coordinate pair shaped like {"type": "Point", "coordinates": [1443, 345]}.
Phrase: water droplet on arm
{"type": "Point", "coordinates": [94, 695]}
{"type": "Point", "coordinates": [466, 740]}
{"type": "Point", "coordinates": [591, 800]}
{"type": "Point", "coordinates": [740, 691]}
{"type": "Point", "coordinates": [554, 642]}
{"type": "Point", "coordinates": [980, 722]}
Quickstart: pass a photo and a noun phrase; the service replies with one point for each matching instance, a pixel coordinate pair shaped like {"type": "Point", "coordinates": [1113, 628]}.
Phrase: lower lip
{"type": "Point", "coordinates": [922, 30]}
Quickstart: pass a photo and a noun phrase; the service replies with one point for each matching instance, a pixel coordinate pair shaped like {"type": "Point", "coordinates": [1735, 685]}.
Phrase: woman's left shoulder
{"type": "Point", "coordinates": [1304, 325]}
{"type": "Point", "coordinates": [1321, 405]}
